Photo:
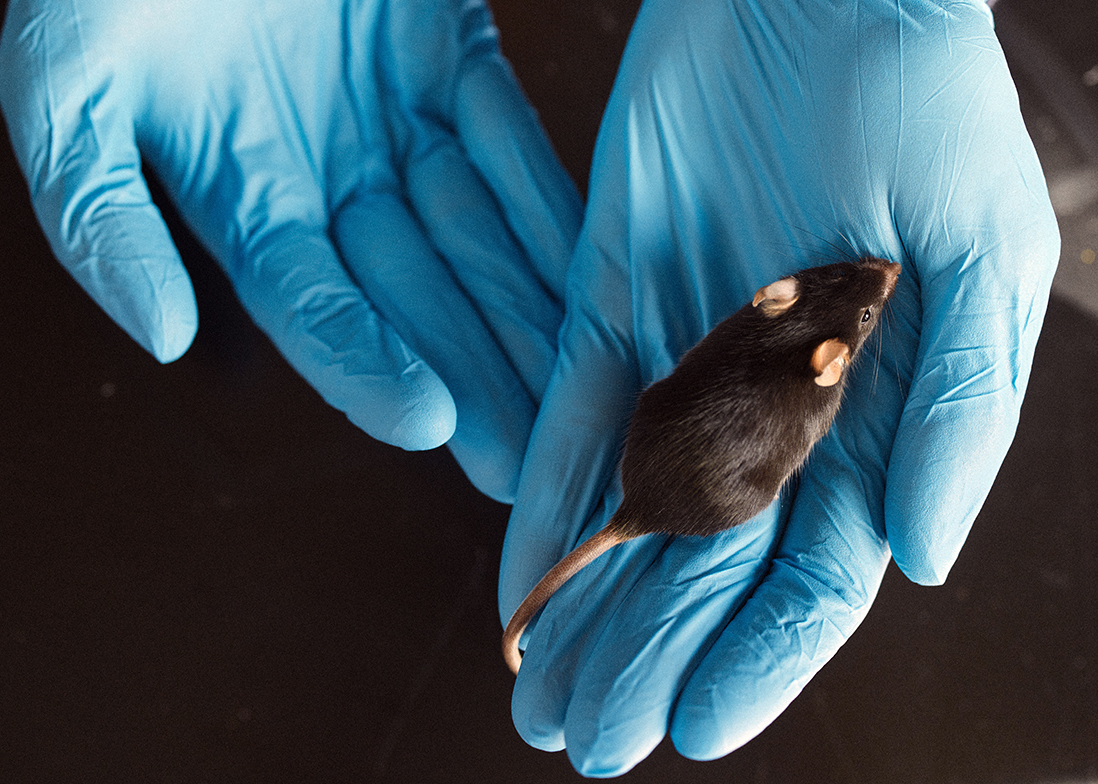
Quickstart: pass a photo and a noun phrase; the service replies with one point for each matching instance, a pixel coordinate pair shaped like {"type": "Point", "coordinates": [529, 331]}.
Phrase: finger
{"type": "Point", "coordinates": [962, 413]}
{"type": "Point", "coordinates": [299, 293]}
{"type": "Point", "coordinates": [573, 451]}
{"type": "Point", "coordinates": [74, 140]}
{"type": "Point", "coordinates": [819, 587]}
{"type": "Point", "coordinates": [466, 84]}
{"type": "Point", "coordinates": [791, 627]}
{"type": "Point", "coordinates": [257, 188]}
{"type": "Point", "coordinates": [826, 570]}
{"type": "Point", "coordinates": [671, 611]}
{"type": "Point", "coordinates": [463, 222]}
{"type": "Point", "coordinates": [985, 267]}
{"type": "Point", "coordinates": [572, 456]}
{"type": "Point", "coordinates": [392, 261]}
{"type": "Point", "coordinates": [412, 204]}
{"type": "Point", "coordinates": [508, 254]}
{"type": "Point", "coordinates": [560, 643]}
{"type": "Point", "coordinates": [502, 136]}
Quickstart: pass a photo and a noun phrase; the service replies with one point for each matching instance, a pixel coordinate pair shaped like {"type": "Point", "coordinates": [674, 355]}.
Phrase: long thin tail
{"type": "Point", "coordinates": [553, 579]}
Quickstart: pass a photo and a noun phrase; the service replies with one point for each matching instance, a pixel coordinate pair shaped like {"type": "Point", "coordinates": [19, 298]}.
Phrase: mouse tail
{"type": "Point", "coordinates": [553, 579]}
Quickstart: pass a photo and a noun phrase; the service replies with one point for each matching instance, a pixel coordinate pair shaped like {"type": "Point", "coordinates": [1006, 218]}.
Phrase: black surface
{"type": "Point", "coordinates": [207, 575]}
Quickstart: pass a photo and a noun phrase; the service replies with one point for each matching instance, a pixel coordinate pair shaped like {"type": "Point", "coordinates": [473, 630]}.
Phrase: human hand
{"type": "Point", "coordinates": [744, 141]}
{"type": "Point", "coordinates": [368, 174]}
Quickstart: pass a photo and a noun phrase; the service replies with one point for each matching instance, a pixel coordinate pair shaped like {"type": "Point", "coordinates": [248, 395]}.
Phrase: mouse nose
{"type": "Point", "coordinates": [891, 270]}
{"type": "Point", "coordinates": [894, 269]}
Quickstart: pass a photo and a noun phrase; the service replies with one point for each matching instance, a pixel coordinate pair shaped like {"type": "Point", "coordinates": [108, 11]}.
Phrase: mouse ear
{"type": "Point", "coordinates": [829, 360]}
{"type": "Point", "coordinates": [778, 297]}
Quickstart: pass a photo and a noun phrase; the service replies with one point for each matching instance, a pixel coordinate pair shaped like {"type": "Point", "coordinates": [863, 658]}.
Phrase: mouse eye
{"type": "Point", "coordinates": [867, 315]}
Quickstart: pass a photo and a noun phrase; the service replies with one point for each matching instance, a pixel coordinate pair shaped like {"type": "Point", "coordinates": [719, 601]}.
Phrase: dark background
{"type": "Point", "coordinates": [207, 575]}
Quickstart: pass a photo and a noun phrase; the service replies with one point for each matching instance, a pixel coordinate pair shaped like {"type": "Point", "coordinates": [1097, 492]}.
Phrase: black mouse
{"type": "Point", "coordinates": [710, 446]}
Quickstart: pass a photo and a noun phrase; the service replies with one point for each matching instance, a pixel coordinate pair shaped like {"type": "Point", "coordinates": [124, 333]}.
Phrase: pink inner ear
{"type": "Point", "coordinates": [829, 360]}
{"type": "Point", "coordinates": [778, 296]}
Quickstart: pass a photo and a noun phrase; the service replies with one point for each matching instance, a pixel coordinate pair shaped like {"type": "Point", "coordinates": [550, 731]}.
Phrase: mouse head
{"type": "Point", "coordinates": [829, 310]}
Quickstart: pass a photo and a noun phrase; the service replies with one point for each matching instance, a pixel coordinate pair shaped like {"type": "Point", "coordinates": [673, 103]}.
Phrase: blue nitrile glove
{"type": "Point", "coordinates": [368, 173]}
{"type": "Point", "coordinates": [746, 139]}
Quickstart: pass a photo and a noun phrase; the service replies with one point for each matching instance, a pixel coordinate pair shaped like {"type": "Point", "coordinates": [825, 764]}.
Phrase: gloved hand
{"type": "Point", "coordinates": [745, 140]}
{"type": "Point", "coordinates": [368, 174]}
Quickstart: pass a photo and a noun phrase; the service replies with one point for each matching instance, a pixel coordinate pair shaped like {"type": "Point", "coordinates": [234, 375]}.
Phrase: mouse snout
{"type": "Point", "coordinates": [891, 271]}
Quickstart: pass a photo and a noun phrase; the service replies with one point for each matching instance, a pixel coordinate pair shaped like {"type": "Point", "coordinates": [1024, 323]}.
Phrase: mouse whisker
{"type": "Point", "coordinates": [879, 347]}
{"type": "Point", "coordinates": [850, 245]}
{"type": "Point", "coordinates": [887, 318]}
{"type": "Point", "coordinates": [834, 252]}
{"type": "Point", "coordinates": [786, 251]}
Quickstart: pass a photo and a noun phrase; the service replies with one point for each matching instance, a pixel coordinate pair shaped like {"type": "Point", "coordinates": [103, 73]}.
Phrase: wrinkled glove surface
{"type": "Point", "coordinates": [746, 139]}
{"type": "Point", "coordinates": [367, 173]}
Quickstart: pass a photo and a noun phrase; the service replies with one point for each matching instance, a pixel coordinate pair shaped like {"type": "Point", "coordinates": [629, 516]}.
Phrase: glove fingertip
{"type": "Point", "coordinates": [174, 332]}
{"type": "Point", "coordinates": [421, 416]}
{"type": "Point", "coordinates": [922, 563]}
{"type": "Point", "coordinates": [150, 298]}
{"type": "Point", "coordinates": [927, 529]}
{"type": "Point", "coordinates": [596, 769]}
{"type": "Point", "coordinates": [541, 738]}
{"type": "Point", "coordinates": [696, 736]}
{"type": "Point", "coordinates": [170, 345]}
{"type": "Point", "coordinates": [694, 748]}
